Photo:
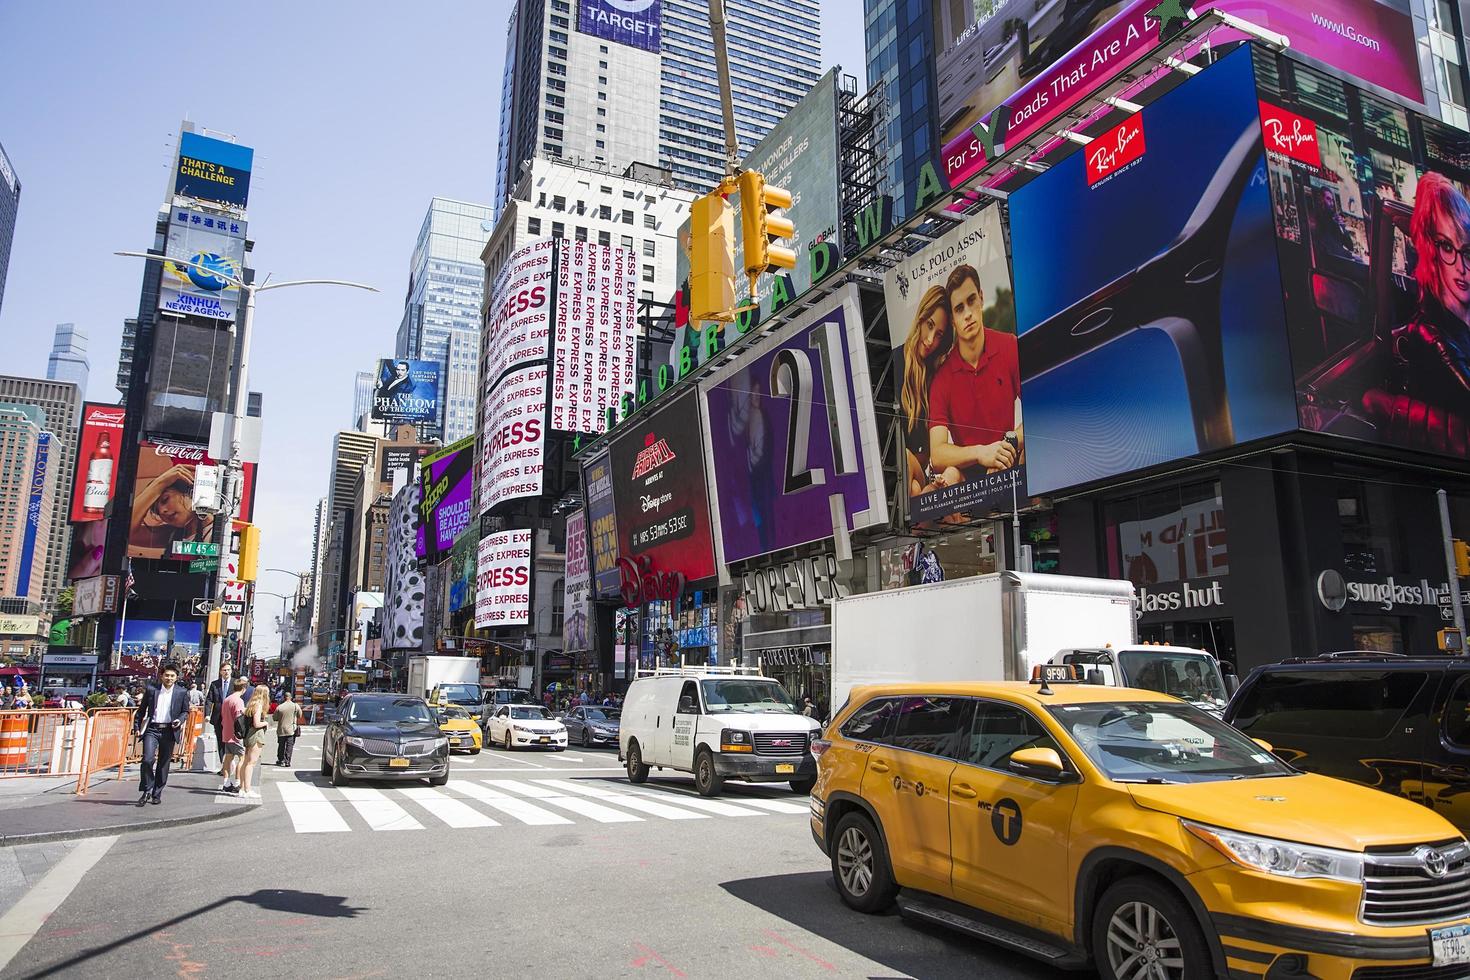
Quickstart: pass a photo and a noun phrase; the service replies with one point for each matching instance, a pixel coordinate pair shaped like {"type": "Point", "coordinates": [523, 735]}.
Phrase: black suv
{"type": "Point", "coordinates": [385, 736]}
{"type": "Point", "coordinates": [1397, 723]}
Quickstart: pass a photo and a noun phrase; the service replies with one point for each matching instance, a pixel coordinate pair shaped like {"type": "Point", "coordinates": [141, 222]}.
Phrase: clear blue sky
{"type": "Point", "coordinates": [358, 112]}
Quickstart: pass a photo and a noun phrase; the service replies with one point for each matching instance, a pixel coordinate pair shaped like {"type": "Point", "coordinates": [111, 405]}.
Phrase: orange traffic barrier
{"type": "Point", "coordinates": [42, 742]}
{"type": "Point", "coordinates": [112, 743]}
{"type": "Point", "coordinates": [14, 737]}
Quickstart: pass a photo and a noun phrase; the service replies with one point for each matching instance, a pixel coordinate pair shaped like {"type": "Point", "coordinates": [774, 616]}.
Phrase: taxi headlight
{"type": "Point", "coordinates": [1286, 859]}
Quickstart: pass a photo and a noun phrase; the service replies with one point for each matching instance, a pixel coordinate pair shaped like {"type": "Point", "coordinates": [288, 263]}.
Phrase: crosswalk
{"type": "Point", "coordinates": [315, 808]}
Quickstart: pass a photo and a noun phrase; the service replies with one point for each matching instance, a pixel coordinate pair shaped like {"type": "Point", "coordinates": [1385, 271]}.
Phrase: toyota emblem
{"type": "Point", "coordinates": [1434, 862]}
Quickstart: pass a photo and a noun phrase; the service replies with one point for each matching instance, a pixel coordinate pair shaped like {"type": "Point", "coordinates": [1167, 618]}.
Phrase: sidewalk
{"type": "Point", "coordinates": [38, 809]}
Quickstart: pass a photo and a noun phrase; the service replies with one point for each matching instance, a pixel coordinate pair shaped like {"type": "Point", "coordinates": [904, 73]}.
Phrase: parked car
{"type": "Point", "coordinates": [384, 736]}
{"type": "Point", "coordinates": [1130, 831]}
{"type": "Point", "coordinates": [526, 725]}
{"type": "Point", "coordinates": [592, 724]}
{"type": "Point", "coordinates": [1396, 723]}
{"type": "Point", "coordinates": [464, 734]}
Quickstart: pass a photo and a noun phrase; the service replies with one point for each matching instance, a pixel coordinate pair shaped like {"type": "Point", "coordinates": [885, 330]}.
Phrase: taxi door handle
{"type": "Point", "coordinates": [877, 766]}
{"type": "Point", "coordinates": [963, 791]}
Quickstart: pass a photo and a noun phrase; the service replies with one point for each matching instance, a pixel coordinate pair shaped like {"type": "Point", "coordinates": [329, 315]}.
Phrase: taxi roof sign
{"type": "Point", "coordinates": [1045, 674]}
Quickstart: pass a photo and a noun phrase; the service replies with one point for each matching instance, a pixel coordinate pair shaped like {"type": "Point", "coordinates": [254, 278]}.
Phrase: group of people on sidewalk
{"type": "Point", "coordinates": [240, 718]}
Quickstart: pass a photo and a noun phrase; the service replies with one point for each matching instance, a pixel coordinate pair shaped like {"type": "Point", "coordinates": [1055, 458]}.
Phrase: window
{"type": "Point", "coordinates": [581, 233]}
{"type": "Point", "coordinates": [1000, 730]}
{"type": "Point", "coordinates": [873, 721]}
{"type": "Point", "coordinates": [628, 242]}
{"type": "Point", "coordinates": [933, 725]}
{"type": "Point", "coordinates": [607, 190]}
{"type": "Point", "coordinates": [627, 217]}
{"type": "Point", "coordinates": [1457, 715]}
{"type": "Point", "coordinates": [648, 273]}
{"type": "Point", "coordinates": [559, 203]}
{"type": "Point", "coordinates": [558, 604]}
{"type": "Point", "coordinates": [1170, 535]}
{"type": "Point", "coordinates": [601, 79]}
{"type": "Point", "coordinates": [558, 230]}
{"type": "Point", "coordinates": [627, 194]}
{"type": "Point", "coordinates": [601, 111]}
{"type": "Point", "coordinates": [533, 226]}
{"type": "Point", "coordinates": [602, 144]}
{"type": "Point", "coordinates": [601, 96]}
{"type": "Point", "coordinates": [601, 128]}
{"type": "Point", "coordinates": [649, 221]}
{"type": "Point", "coordinates": [604, 238]}
{"type": "Point", "coordinates": [650, 249]}
{"type": "Point", "coordinates": [689, 699]}
{"type": "Point", "coordinates": [604, 212]}
{"type": "Point", "coordinates": [602, 65]}
{"type": "Point", "coordinates": [602, 49]}
{"type": "Point", "coordinates": [1356, 704]}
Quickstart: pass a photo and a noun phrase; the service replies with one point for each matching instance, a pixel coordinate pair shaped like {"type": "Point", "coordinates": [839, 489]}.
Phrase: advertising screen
{"type": "Point", "coordinates": [462, 570]}
{"type": "Point", "coordinates": [403, 581]}
{"type": "Point", "coordinates": [1373, 230]}
{"type": "Point", "coordinates": [406, 391]}
{"type": "Point", "coordinates": [99, 443]}
{"type": "Point", "coordinates": [35, 497]}
{"type": "Point", "coordinates": [635, 23]}
{"type": "Point", "coordinates": [448, 480]}
{"type": "Point", "coordinates": [503, 580]}
{"type": "Point", "coordinates": [602, 526]}
{"type": "Point", "coordinates": [96, 595]}
{"type": "Point", "coordinates": [144, 644]}
{"type": "Point", "coordinates": [188, 379]}
{"type": "Point", "coordinates": [1170, 341]}
{"type": "Point", "coordinates": [206, 251]}
{"type": "Point", "coordinates": [392, 459]}
{"type": "Point", "coordinates": [952, 323]}
{"type": "Point", "coordinates": [515, 437]}
{"type": "Point", "coordinates": [596, 334]}
{"type": "Point", "coordinates": [518, 328]}
{"type": "Point", "coordinates": [213, 170]}
{"type": "Point", "coordinates": [576, 632]}
{"type": "Point", "coordinates": [163, 511]}
{"type": "Point", "coordinates": [662, 501]}
{"type": "Point", "coordinates": [790, 426]}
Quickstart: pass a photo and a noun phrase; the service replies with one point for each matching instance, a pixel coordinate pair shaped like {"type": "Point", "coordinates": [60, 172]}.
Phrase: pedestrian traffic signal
{"type": "Point", "coordinates": [1462, 558]}
{"type": "Point", "coordinates": [215, 626]}
{"type": "Point", "coordinates": [759, 228]}
{"type": "Point", "coordinates": [249, 552]}
{"type": "Point", "coordinates": [712, 258]}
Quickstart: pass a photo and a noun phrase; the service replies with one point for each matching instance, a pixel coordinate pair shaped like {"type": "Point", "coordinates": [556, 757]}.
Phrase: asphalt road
{"type": "Point", "coordinates": [548, 865]}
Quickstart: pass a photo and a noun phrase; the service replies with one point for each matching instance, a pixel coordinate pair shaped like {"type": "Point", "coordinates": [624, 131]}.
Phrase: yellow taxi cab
{"type": "Point", "coordinates": [1128, 830]}
{"type": "Point", "coordinates": [464, 734]}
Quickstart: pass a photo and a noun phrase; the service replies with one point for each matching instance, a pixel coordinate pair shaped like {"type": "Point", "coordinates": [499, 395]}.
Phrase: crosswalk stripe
{"type": "Point", "coordinates": [718, 807]}
{"type": "Point", "coordinates": [453, 812]}
{"type": "Point", "coordinates": [523, 811]}
{"type": "Point", "coordinates": [776, 806]}
{"type": "Point", "coordinates": [309, 809]}
{"type": "Point", "coordinates": [380, 812]}
{"type": "Point", "coordinates": [632, 802]}
{"type": "Point", "coordinates": [544, 794]}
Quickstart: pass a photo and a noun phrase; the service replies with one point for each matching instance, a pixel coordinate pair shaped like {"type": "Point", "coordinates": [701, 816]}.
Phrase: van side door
{"type": "Point", "coordinates": [683, 726]}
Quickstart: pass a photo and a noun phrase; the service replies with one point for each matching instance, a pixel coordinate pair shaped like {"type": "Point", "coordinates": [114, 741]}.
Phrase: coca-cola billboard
{"type": "Point", "coordinates": [98, 445]}
{"type": "Point", "coordinates": [162, 512]}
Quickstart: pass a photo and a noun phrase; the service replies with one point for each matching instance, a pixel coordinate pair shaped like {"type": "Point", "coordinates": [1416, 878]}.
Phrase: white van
{"type": "Point", "coordinates": [718, 723]}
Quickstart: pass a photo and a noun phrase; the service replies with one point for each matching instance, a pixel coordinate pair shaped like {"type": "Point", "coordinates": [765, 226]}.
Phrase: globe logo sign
{"type": "Point", "coordinates": [206, 270]}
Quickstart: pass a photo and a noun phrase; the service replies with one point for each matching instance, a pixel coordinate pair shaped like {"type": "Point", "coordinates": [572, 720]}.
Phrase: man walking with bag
{"type": "Point", "coordinates": [160, 720]}
{"type": "Point", "coordinates": [288, 722]}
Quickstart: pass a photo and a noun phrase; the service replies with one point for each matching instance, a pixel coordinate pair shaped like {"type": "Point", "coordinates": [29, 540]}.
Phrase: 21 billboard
{"type": "Point", "coordinates": [596, 334]}
{"type": "Point", "coordinates": [205, 252]}
{"type": "Point", "coordinates": [213, 170]}
{"type": "Point", "coordinates": [406, 391]}
{"type": "Point", "coordinates": [662, 501]}
{"type": "Point", "coordinates": [99, 443]}
{"type": "Point", "coordinates": [1170, 341]}
{"type": "Point", "coordinates": [792, 437]}
{"type": "Point", "coordinates": [636, 23]}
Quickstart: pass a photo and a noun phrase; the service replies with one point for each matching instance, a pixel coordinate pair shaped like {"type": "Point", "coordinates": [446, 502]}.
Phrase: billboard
{"type": "Point", "coordinates": [205, 249]}
{"type": "Point", "coordinates": [188, 379]}
{"type": "Point", "coordinates": [952, 324]}
{"type": "Point", "coordinates": [462, 570]}
{"type": "Point", "coordinates": [1373, 232]}
{"type": "Point", "coordinates": [596, 334]}
{"type": "Point", "coordinates": [602, 526]}
{"type": "Point", "coordinates": [791, 434]}
{"type": "Point", "coordinates": [403, 580]}
{"type": "Point", "coordinates": [636, 23]}
{"type": "Point", "coordinates": [576, 632]}
{"type": "Point", "coordinates": [163, 511]}
{"type": "Point", "coordinates": [518, 319]}
{"type": "Point", "coordinates": [35, 500]}
{"type": "Point", "coordinates": [406, 391]}
{"type": "Point", "coordinates": [213, 170]}
{"type": "Point", "coordinates": [448, 481]}
{"type": "Point", "coordinates": [503, 580]}
{"type": "Point", "coordinates": [515, 437]}
{"type": "Point", "coordinates": [391, 459]}
{"type": "Point", "coordinates": [99, 443]}
{"type": "Point", "coordinates": [96, 595]}
{"type": "Point", "coordinates": [143, 644]}
{"type": "Point", "coordinates": [662, 502]}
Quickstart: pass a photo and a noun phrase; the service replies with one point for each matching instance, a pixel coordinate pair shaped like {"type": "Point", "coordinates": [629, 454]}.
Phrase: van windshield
{"type": "Point", "coordinates": [1191, 676]}
{"type": "Point", "coordinates": [746, 694]}
{"type": "Point", "coordinates": [460, 693]}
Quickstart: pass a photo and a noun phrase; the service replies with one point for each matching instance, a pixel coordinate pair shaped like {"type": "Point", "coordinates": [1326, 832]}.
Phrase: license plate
{"type": "Point", "coordinates": [546, 738]}
{"type": "Point", "coordinates": [785, 767]}
{"type": "Point", "coordinates": [1451, 946]}
{"type": "Point", "coordinates": [454, 741]}
{"type": "Point", "coordinates": [398, 763]}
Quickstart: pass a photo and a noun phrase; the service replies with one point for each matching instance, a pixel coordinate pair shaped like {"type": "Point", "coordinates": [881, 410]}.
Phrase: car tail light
{"type": "Point", "coordinates": [819, 746]}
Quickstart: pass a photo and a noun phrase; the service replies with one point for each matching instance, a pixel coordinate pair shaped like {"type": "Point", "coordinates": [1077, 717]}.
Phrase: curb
{"type": "Point", "coordinates": [46, 837]}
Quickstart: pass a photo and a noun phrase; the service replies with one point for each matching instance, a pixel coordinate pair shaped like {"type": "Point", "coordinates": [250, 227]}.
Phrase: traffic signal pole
{"type": "Point", "coordinates": [722, 68]}
{"type": "Point", "coordinates": [1451, 566]}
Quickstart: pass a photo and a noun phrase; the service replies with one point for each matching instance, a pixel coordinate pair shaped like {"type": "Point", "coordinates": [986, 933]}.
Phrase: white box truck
{"type": "Point", "coordinates": [427, 673]}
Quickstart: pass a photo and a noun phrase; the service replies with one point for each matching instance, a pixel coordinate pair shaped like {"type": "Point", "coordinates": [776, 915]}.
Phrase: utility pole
{"type": "Point", "coordinates": [727, 99]}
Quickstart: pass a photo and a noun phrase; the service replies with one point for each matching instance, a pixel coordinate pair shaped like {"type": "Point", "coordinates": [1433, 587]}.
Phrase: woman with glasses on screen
{"type": "Point", "coordinates": [1433, 347]}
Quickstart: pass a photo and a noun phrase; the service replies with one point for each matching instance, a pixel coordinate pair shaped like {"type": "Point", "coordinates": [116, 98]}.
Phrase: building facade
{"type": "Point", "coordinates": [60, 403]}
{"type": "Point", "coordinates": [68, 360]}
{"type": "Point", "coordinates": [27, 499]}
{"type": "Point", "coordinates": [9, 206]}
{"type": "Point", "coordinates": [362, 400]}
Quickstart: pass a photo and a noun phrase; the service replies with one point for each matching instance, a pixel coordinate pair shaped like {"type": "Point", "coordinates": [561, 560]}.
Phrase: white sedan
{"type": "Point", "coordinates": [525, 724]}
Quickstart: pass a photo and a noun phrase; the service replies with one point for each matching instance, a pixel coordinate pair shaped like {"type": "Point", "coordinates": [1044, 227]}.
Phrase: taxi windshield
{"type": "Point", "coordinates": [1160, 742]}
{"type": "Point", "coordinates": [454, 714]}
{"type": "Point", "coordinates": [1191, 676]}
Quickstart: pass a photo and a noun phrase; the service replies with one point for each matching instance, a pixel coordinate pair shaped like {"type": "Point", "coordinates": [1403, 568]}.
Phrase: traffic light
{"type": "Point", "coordinates": [1462, 558]}
{"type": "Point", "coordinates": [249, 552]}
{"type": "Point", "coordinates": [216, 623]}
{"type": "Point", "coordinates": [712, 258]}
{"type": "Point", "coordinates": [759, 228]}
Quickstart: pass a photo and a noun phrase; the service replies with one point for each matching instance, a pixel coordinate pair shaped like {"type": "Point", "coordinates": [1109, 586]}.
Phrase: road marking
{"type": "Point", "coordinates": [446, 808]}
{"type": "Point", "coordinates": [544, 794]}
{"type": "Point", "coordinates": [380, 812]}
{"type": "Point", "coordinates": [309, 809]}
{"type": "Point", "coordinates": [635, 802]}
{"type": "Point", "coordinates": [25, 917]}
{"type": "Point", "coordinates": [776, 806]}
{"type": "Point", "coordinates": [520, 809]}
{"type": "Point", "coordinates": [502, 757]}
{"type": "Point", "coordinates": [717, 807]}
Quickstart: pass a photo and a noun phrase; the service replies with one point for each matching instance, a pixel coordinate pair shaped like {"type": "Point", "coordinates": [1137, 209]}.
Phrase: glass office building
{"type": "Point", "coordinates": [9, 204]}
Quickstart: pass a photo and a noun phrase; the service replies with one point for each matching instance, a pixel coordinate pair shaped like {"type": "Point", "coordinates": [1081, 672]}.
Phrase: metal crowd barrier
{"type": "Point", "coordinates": [42, 742]}
{"type": "Point", "coordinates": [112, 743]}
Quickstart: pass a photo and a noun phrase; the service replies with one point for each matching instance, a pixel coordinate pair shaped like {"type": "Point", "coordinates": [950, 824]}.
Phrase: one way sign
{"type": "Point", "coordinates": [200, 607]}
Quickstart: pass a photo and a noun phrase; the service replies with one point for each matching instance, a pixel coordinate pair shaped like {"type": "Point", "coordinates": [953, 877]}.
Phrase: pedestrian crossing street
{"type": "Point", "coordinates": [465, 803]}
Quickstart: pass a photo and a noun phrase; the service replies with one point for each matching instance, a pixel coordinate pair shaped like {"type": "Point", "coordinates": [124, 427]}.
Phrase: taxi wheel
{"type": "Point", "coordinates": [475, 750]}
{"type": "Point", "coordinates": [860, 865]}
{"type": "Point", "coordinates": [1142, 928]}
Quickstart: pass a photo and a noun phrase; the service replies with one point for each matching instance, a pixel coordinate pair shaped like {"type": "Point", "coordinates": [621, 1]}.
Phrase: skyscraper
{"type": "Point", "coordinates": [68, 360]}
{"type": "Point", "coordinates": [362, 398]}
{"type": "Point", "coordinates": [60, 404]}
{"type": "Point", "coordinates": [446, 281]}
{"type": "Point", "coordinates": [9, 205]}
{"type": "Point", "coordinates": [25, 474]}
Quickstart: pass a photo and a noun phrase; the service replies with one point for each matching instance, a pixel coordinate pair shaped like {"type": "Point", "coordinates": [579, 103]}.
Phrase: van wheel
{"type": "Point", "coordinates": [1141, 927]}
{"type": "Point", "coordinates": [706, 780]}
{"type": "Point", "coordinates": [637, 771]}
{"type": "Point", "coordinates": [803, 786]}
{"type": "Point", "coordinates": [860, 865]}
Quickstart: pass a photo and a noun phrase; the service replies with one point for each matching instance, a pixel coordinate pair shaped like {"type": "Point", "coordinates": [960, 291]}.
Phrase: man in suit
{"type": "Point", "coordinates": [160, 719]}
{"type": "Point", "coordinates": [219, 689]}
{"type": "Point", "coordinates": [288, 721]}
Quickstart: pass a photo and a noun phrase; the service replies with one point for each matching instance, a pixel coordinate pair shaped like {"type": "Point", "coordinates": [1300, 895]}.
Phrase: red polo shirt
{"type": "Point", "coordinates": [978, 404]}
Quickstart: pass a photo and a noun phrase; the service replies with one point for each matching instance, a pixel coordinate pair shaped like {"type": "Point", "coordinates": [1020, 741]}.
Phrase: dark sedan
{"type": "Point", "coordinates": [385, 736]}
{"type": "Point", "coordinates": [592, 724]}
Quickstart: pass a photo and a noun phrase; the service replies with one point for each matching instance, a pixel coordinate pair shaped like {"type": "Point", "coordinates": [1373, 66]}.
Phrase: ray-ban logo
{"type": "Point", "coordinates": [1115, 149]}
{"type": "Point", "coordinates": [1290, 135]}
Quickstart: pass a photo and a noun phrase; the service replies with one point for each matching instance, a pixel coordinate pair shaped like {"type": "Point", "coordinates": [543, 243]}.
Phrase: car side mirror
{"type": "Point", "coordinates": [1232, 684]}
{"type": "Point", "coordinates": [1095, 677]}
{"type": "Point", "coordinates": [1264, 744]}
{"type": "Point", "coordinates": [1041, 763]}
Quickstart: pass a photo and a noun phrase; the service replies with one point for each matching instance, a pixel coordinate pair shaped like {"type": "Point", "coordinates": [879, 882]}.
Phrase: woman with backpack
{"type": "Point", "coordinates": [253, 723]}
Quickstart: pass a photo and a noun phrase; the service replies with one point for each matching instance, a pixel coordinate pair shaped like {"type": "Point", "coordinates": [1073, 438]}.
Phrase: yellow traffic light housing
{"type": "Point", "coordinates": [1462, 558]}
{"type": "Point", "coordinates": [712, 258]}
{"type": "Point", "coordinates": [215, 626]}
{"type": "Point", "coordinates": [761, 229]}
{"type": "Point", "coordinates": [249, 552]}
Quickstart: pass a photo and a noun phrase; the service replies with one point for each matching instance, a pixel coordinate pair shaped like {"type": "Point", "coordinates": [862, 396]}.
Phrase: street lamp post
{"type": "Point", "coordinates": [300, 580]}
{"type": "Point", "coordinates": [234, 464]}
